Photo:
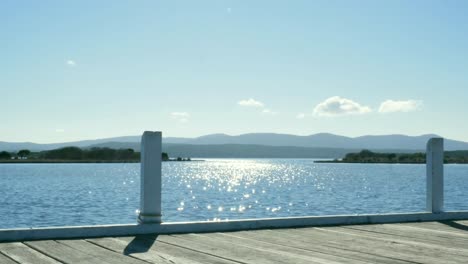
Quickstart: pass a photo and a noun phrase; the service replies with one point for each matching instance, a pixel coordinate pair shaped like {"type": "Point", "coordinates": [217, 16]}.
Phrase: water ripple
{"type": "Point", "coordinates": [214, 190]}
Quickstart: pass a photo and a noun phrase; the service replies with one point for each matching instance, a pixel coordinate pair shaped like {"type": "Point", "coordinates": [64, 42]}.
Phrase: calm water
{"type": "Point", "coordinates": [84, 194]}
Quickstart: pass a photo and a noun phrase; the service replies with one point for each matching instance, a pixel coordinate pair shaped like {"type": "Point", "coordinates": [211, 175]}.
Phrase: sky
{"type": "Point", "coordinates": [73, 70]}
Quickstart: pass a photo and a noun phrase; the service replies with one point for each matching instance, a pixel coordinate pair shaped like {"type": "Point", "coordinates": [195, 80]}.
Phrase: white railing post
{"type": "Point", "coordinates": [435, 175]}
{"type": "Point", "coordinates": [150, 194]}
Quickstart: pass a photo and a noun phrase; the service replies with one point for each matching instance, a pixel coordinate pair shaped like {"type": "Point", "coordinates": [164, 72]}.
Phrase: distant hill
{"type": "Point", "coordinates": [242, 150]}
{"type": "Point", "coordinates": [325, 140]}
{"type": "Point", "coordinates": [391, 143]}
{"type": "Point", "coordinates": [15, 146]}
{"type": "Point", "coordinates": [236, 150]}
{"type": "Point", "coordinates": [250, 151]}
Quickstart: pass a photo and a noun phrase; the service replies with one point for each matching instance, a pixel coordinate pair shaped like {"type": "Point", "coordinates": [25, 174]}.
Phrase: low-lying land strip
{"type": "Point", "coordinates": [367, 156]}
{"type": "Point", "coordinates": [78, 155]}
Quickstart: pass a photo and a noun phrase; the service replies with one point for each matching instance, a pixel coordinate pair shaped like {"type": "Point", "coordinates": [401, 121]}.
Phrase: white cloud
{"type": "Point", "coordinates": [250, 103]}
{"type": "Point", "coordinates": [182, 117]}
{"type": "Point", "coordinates": [338, 106]}
{"type": "Point", "coordinates": [180, 114]}
{"type": "Point", "coordinates": [71, 63]}
{"type": "Point", "coordinates": [59, 130]}
{"type": "Point", "coordinates": [257, 104]}
{"type": "Point", "coordinates": [391, 106]}
{"type": "Point", "coordinates": [269, 112]}
{"type": "Point", "coordinates": [300, 116]}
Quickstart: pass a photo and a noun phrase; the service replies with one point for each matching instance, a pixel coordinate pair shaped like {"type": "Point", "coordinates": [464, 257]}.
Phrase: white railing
{"type": "Point", "coordinates": [150, 204]}
{"type": "Point", "coordinates": [149, 217]}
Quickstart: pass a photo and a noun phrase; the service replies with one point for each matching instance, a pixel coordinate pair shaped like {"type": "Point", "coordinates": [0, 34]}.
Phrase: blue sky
{"type": "Point", "coordinates": [94, 69]}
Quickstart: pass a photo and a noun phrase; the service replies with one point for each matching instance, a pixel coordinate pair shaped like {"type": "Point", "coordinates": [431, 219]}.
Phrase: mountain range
{"type": "Point", "coordinates": [402, 143]}
{"type": "Point", "coordinates": [322, 140]}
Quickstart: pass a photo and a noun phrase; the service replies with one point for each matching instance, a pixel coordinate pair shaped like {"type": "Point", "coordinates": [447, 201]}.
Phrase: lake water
{"type": "Point", "coordinates": [33, 195]}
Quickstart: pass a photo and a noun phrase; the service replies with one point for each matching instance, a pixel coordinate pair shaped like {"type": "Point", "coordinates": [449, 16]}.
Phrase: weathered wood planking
{"type": "Point", "coordinates": [240, 253]}
{"type": "Point", "coordinates": [451, 229]}
{"type": "Point", "coordinates": [231, 252]}
{"type": "Point", "coordinates": [64, 253]}
{"type": "Point", "coordinates": [434, 242]}
{"type": "Point", "coordinates": [21, 253]}
{"type": "Point", "coordinates": [312, 255]}
{"type": "Point", "coordinates": [314, 245]}
{"type": "Point", "coordinates": [149, 249]}
{"type": "Point", "coordinates": [99, 252]}
{"type": "Point", "coordinates": [412, 235]}
{"type": "Point", "coordinates": [369, 245]}
{"type": "Point", "coordinates": [6, 260]}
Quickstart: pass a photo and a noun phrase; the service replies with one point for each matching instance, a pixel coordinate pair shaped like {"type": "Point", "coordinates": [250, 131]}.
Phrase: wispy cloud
{"type": "Point", "coordinates": [391, 106]}
{"type": "Point", "coordinates": [338, 106]}
{"type": "Point", "coordinates": [300, 116]}
{"type": "Point", "coordinates": [182, 117]}
{"type": "Point", "coordinates": [71, 63]}
{"type": "Point", "coordinates": [60, 130]}
{"type": "Point", "coordinates": [250, 103]}
{"type": "Point", "coordinates": [268, 112]}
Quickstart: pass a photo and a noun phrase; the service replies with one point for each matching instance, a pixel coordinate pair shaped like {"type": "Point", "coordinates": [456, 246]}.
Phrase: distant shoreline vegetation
{"type": "Point", "coordinates": [367, 156]}
{"type": "Point", "coordinates": [78, 155]}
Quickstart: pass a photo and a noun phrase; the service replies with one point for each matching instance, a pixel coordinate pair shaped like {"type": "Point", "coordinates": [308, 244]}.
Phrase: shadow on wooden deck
{"type": "Point", "coordinates": [455, 225]}
{"type": "Point", "coordinates": [140, 244]}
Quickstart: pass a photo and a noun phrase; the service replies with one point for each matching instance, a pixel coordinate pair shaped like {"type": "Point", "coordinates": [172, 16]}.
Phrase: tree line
{"type": "Point", "coordinates": [367, 156]}
{"type": "Point", "coordinates": [24, 153]}
{"type": "Point", "coordinates": [78, 154]}
{"type": "Point", "coordinates": [75, 153]}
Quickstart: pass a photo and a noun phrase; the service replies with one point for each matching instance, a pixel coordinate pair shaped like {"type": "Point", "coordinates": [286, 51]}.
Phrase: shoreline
{"type": "Point", "coordinates": [364, 162]}
{"type": "Point", "coordinates": [81, 161]}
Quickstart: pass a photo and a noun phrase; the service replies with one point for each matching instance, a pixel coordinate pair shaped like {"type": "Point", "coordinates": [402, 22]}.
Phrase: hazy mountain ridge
{"type": "Point", "coordinates": [325, 140]}
{"type": "Point", "coordinates": [243, 150]}
{"type": "Point", "coordinates": [321, 140]}
{"type": "Point", "coordinates": [15, 146]}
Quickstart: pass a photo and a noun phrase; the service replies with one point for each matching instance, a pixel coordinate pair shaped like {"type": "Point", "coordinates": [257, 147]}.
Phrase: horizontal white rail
{"type": "Point", "coordinates": [221, 226]}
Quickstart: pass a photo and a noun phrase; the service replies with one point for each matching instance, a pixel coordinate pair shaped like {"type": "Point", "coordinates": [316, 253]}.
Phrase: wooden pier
{"type": "Point", "coordinates": [430, 242]}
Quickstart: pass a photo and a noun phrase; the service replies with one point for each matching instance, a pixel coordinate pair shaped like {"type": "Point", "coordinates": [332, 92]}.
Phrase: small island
{"type": "Point", "coordinates": [367, 156]}
{"type": "Point", "coordinates": [79, 155]}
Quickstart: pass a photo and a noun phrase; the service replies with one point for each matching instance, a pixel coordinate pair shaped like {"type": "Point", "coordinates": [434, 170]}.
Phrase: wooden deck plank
{"type": "Point", "coordinates": [244, 254]}
{"type": "Point", "coordinates": [64, 253]}
{"type": "Point", "coordinates": [454, 228]}
{"type": "Point", "coordinates": [362, 246]}
{"type": "Point", "coordinates": [23, 254]}
{"type": "Point", "coordinates": [409, 242]}
{"type": "Point", "coordinates": [6, 260]}
{"type": "Point", "coordinates": [369, 244]}
{"type": "Point", "coordinates": [389, 231]}
{"type": "Point", "coordinates": [100, 252]}
{"type": "Point", "coordinates": [149, 249]}
{"type": "Point", "coordinates": [282, 249]}
{"type": "Point", "coordinates": [182, 255]}
{"type": "Point", "coordinates": [315, 245]}
{"type": "Point", "coordinates": [139, 252]}
{"type": "Point", "coordinates": [422, 228]}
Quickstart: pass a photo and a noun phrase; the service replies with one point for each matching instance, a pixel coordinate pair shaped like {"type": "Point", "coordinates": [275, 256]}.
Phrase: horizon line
{"type": "Point", "coordinates": [234, 135]}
